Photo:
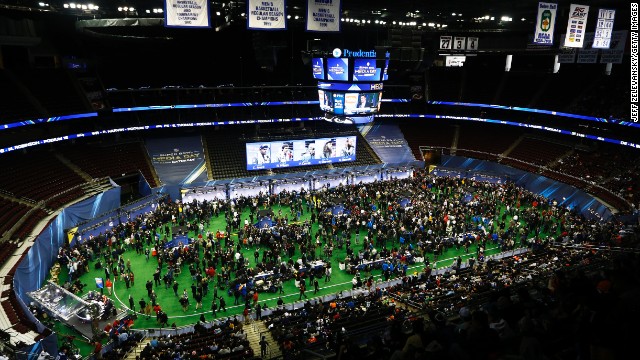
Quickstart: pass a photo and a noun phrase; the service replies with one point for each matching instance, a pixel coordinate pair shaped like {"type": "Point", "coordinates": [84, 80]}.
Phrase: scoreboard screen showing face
{"type": "Point", "coordinates": [350, 103]}
{"type": "Point", "coordinates": [290, 153]}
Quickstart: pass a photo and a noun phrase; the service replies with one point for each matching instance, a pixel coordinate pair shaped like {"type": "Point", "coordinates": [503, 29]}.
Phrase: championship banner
{"type": "Point", "coordinates": [604, 29]}
{"type": "Point", "coordinates": [186, 13]}
{"type": "Point", "coordinates": [587, 55]}
{"type": "Point", "coordinates": [577, 26]}
{"type": "Point", "coordinates": [568, 57]}
{"type": "Point", "coordinates": [545, 23]}
{"type": "Point", "coordinates": [615, 53]}
{"type": "Point", "coordinates": [323, 15]}
{"type": "Point", "coordinates": [266, 15]}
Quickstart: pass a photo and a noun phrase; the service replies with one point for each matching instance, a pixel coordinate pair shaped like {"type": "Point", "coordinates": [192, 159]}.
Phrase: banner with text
{"type": "Point", "coordinates": [323, 15]}
{"type": "Point", "coordinates": [615, 53]}
{"type": "Point", "coordinates": [178, 161]}
{"type": "Point", "coordinates": [545, 24]}
{"type": "Point", "coordinates": [186, 13]}
{"type": "Point", "coordinates": [388, 142]}
{"type": "Point", "coordinates": [604, 28]}
{"type": "Point", "coordinates": [567, 57]}
{"type": "Point", "coordinates": [266, 15]}
{"type": "Point", "coordinates": [589, 55]}
{"type": "Point", "coordinates": [576, 26]}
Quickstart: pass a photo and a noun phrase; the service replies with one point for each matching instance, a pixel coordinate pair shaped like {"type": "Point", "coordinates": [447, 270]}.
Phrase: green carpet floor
{"type": "Point", "coordinates": [143, 271]}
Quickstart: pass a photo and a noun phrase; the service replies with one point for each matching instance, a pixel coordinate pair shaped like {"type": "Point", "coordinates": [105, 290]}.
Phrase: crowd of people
{"type": "Point", "coordinates": [553, 300]}
{"type": "Point", "coordinates": [209, 340]}
{"type": "Point", "coordinates": [387, 225]}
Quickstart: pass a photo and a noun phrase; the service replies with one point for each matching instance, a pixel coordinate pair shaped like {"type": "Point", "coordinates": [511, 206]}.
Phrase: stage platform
{"type": "Point", "coordinates": [84, 326]}
{"type": "Point", "coordinates": [265, 213]}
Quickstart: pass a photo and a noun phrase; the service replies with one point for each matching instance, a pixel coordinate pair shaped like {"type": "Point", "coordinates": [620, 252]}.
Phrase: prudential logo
{"type": "Point", "coordinates": [337, 52]}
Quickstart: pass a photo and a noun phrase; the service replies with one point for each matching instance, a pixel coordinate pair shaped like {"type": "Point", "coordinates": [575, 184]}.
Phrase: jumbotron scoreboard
{"type": "Point", "coordinates": [350, 84]}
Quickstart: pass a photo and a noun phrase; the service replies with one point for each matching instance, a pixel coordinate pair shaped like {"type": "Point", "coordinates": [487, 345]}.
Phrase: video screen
{"type": "Point", "coordinates": [338, 69]}
{"type": "Point", "coordinates": [282, 154]}
{"type": "Point", "coordinates": [385, 72]}
{"type": "Point", "coordinates": [365, 70]}
{"type": "Point", "coordinates": [318, 68]}
{"type": "Point", "coordinates": [350, 103]}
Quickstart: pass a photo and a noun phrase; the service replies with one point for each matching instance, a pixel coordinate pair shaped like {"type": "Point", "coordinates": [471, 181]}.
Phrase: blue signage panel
{"type": "Point", "coordinates": [318, 68]}
{"type": "Point", "coordinates": [365, 70]}
{"type": "Point", "coordinates": [337, 69]}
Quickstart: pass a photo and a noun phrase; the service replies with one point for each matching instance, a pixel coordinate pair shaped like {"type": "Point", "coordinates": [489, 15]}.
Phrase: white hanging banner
{"type": "Point", "coordinates": [323, 15]}
{"type": "Point", "coordinates": [604, 28]}
{"type": "Point", "coordinates": [266, 15]}
{"type": "Point", "coordinates": [577, 26]}
{"type": "Point", "coordinates": [186, 13]}
{"type": "Point", "coordinates": [545, 23]}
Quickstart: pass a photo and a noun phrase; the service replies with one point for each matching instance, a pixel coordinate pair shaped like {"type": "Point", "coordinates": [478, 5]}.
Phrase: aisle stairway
{"type": "Point", "coordinates": [254, 331]}
{"type": "Point", "coordinates": [74, 167]}
{"type": "Point", "coordinates": [135, 352]}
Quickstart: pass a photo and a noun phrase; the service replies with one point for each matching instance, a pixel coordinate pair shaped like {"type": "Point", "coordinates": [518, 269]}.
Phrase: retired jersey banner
{"type": "Point", "coordinates": [323, 15]}
{"type": "Point", "coordinates": [266, 15]}
{"type": "Point", "coordinates": [545, 23]}
{"type": "Point", "coordinates": [577, 26]}
{"type": "Point", "coordinates": [604, 29]}
{"type": "Point", "coordinates": [186, 13]}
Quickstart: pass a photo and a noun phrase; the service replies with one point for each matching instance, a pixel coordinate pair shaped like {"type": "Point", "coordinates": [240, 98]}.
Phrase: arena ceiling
{"type": "Point", "coordinates": [454, 14]}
